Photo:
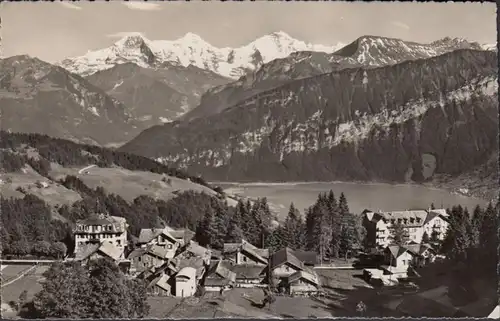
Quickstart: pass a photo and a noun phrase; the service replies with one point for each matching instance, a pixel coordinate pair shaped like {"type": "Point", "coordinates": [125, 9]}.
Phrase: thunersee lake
{"type": "Point", "coordinates": [360, 196]}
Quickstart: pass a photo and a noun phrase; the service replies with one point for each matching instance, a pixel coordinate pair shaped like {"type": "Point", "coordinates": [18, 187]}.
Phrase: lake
{"type": "Point", "coordinates": [360, 196]}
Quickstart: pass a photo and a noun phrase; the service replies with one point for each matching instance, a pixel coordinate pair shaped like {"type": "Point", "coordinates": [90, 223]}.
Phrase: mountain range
{"type": "Point", "coordinates": [398, 123]}
{"type": "Point", "coordinates": [191, 50]}
{"type": "Point", "coordinates": [275, 109]}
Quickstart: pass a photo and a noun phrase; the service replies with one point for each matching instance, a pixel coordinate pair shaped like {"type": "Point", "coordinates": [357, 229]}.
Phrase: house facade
{"type": "Point", "coordinates": [144, 258]}
{"type": "Point", "coordinates": [186, 282]}
{"type": "Point", "coordinates": [422, 254]}
{"type": "Point", "coordinates": [417, 223]}
{"type": "Point", "coordinates": [398, 260]}
{"type": "Point", "coordinates": [303, 283]}
{"type": "Point", "coordinates": [99, 228]}
{"type": "Point", "coordinates": [283, 263]}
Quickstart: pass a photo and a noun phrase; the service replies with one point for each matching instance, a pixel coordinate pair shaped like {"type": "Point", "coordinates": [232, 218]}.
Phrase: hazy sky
{"type": "Point", "coordinates": [53, 31]}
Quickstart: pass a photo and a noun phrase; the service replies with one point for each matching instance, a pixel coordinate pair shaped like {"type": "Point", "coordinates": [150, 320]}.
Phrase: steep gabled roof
{"type": "Point", "coordinates": [305, 275]}
{"type": "Point", "coordinates": [148, 234]}
{"type": "Point", "coordinates": [105, 247]}
{"type": "Point", "coordinates": [188, 272]}
{"type": "Point", "coordinates": [285, 255]}
{"type": "Point", "coordinates": [396, 250]}
{"type": "Point", "coordinates": [419, 249]}
{"type": "Point", "coordinates": [246, 271]}
{"type": "Point", "coordinates": [253, 251]}
{"type": "Point", "coordinates": [221, 269]}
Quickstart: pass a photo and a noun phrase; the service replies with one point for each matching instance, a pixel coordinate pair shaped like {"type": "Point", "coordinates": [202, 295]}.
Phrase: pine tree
{"type": "Point", "coordinates": [292, 228]}
{"type": "Point", "coordinates": [204, 233]}
{"type": "Point", "coordinates": [343, 206]}
{"type": "Point", "coordinates": [475, 226]}
{"type": "Point", "coordinates": [274, 241]}
{"type": "Point", "coordinates": [399, 234]}
{"type": "Point", "coordinates": [234, 231]}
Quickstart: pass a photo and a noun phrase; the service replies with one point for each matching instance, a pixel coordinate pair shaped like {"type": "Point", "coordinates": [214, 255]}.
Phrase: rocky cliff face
{"type": "Point", "coordinates": [403, 122]}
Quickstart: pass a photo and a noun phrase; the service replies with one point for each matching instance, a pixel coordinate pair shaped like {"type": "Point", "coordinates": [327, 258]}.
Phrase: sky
{"type": "Point", "coordinates": [53, 31]}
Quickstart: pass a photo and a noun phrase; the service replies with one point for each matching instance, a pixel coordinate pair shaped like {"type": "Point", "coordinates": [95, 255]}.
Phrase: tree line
{"type": "Point", "coordinates": [27, 228]}
{"type": "Point", "coordinates": [329, 229]}
{"type": "Point", "coordinates": [68, 153]}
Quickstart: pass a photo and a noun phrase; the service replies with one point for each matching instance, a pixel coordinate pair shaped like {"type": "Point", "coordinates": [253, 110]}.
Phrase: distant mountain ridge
{"type": "Point", "coordinates": [366, 52]}
{"type": "Point", "coordinates": [38, 97]}
{"type": "Point", "coordinates": [192, 50]}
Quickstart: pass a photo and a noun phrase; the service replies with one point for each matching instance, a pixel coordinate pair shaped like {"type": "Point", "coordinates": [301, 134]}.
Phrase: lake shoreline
{"type": "Point", "coordinates": [429, 185]}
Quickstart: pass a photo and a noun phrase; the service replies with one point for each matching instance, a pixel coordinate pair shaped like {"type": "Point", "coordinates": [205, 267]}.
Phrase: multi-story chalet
{"type": "Point", "coordinates": [167, 237]}
{"type": "Point", "coordinates": [99, 228]}
{"type": "Point", "coordinates": [379, 225]}
{"type": "Point", "coordinates": [245, 253]}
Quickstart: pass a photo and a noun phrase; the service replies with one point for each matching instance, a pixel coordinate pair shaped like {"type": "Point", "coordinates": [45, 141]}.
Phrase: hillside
{"type": "Point", "coordinates": [38, 97]}
{"type": "Point", "coordinates": [395, 123]}
{"type": "Point", "coordinates": [367, 51]}
{"type": "Point", "coordinates": [36, 164]}
{"type": "Point", "coordinates": [156, 95]}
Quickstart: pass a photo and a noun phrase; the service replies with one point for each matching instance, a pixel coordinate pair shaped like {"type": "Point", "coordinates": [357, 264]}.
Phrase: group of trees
{"type": "Point", "coordinates": [473, 237]}
{"type": "Point", "coordinates": [27, 228]}
{"type": "Point", "coordinates": [222, 223]}
{"type": "Point", "coordinates": [329, 228]}
{"type": "Point", "coordinates": [97, 290]}
{"type": "Point", "coordinates": [68, 153]}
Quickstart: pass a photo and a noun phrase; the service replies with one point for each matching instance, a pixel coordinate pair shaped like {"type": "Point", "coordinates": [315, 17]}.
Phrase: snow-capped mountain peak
{"type": "Point", "coordinates": [191, 49]}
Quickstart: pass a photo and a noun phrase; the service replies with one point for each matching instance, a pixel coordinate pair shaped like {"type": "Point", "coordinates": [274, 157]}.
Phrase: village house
{"type": "Point", "coordinates": [398, 261]}
{"type": "Point", "coordinates": [186, 282]}
{"type": "Point", "coordinates": [245, 253]}
{"type": "Point", "coordinates": [379, 225]}
{"type": "Point", "coordinates": [179, 277]}
{"type": "Point", "coordinates": [422, 254]}
{"type": "Point", "coordinates": [144, 258]}
{"type": "Point", "coordinates": [167, 237]}
{"type": "Point", "coordinates": [284, 263]}
{"type": "Point", "coordinates": [249, 276]}
{"type": "Point", "coordinates": [99, 228]}
{"type": "Point", "coordinates": [219, 276]}
{"type": "Point", "coordinates": [303, 283]}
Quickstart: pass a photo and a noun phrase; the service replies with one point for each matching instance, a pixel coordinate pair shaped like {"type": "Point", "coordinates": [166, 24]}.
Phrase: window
{"type": "Point", "coordinates": [139, 259]}
{"type": "Point", "coordinates": [287, 268]}
{"type": "Point", "coordinates": [244, 259]}
{"type": "Point", "coordinates": [412, 220]}
{"type": "Point", "coordinates": [118, 242]}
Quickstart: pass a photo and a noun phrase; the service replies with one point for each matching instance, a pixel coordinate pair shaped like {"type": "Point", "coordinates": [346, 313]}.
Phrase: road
{"type": "Point", "coordinates": [85, 168]}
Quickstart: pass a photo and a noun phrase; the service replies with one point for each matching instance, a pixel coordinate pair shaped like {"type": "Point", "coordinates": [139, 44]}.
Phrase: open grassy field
{"type": "Point", "coordinates": [129, 184]}
{"type": "Point", "coordinates": [54, 194]}
{"type": "Point", "coordinates": [30, 283]}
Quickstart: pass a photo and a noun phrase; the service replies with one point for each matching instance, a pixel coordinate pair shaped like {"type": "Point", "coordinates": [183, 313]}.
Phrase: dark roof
{"type": "Point", "coordinates": [419, 249]}
{"type": "Point", "coordinates": [285, 255]}
{"type": "Point", "coordinates": [147, 234]}
{"type": "Point", "coordinates": [221, 270]}
{"type": "Point", "coordinates": [396, 250]}
{"type": "Point", "coordinates": [309, 276]}
{"type": "Point", "coordinates": [307, 257]}
{"type": "Point", "coordinates": [245, 271]}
